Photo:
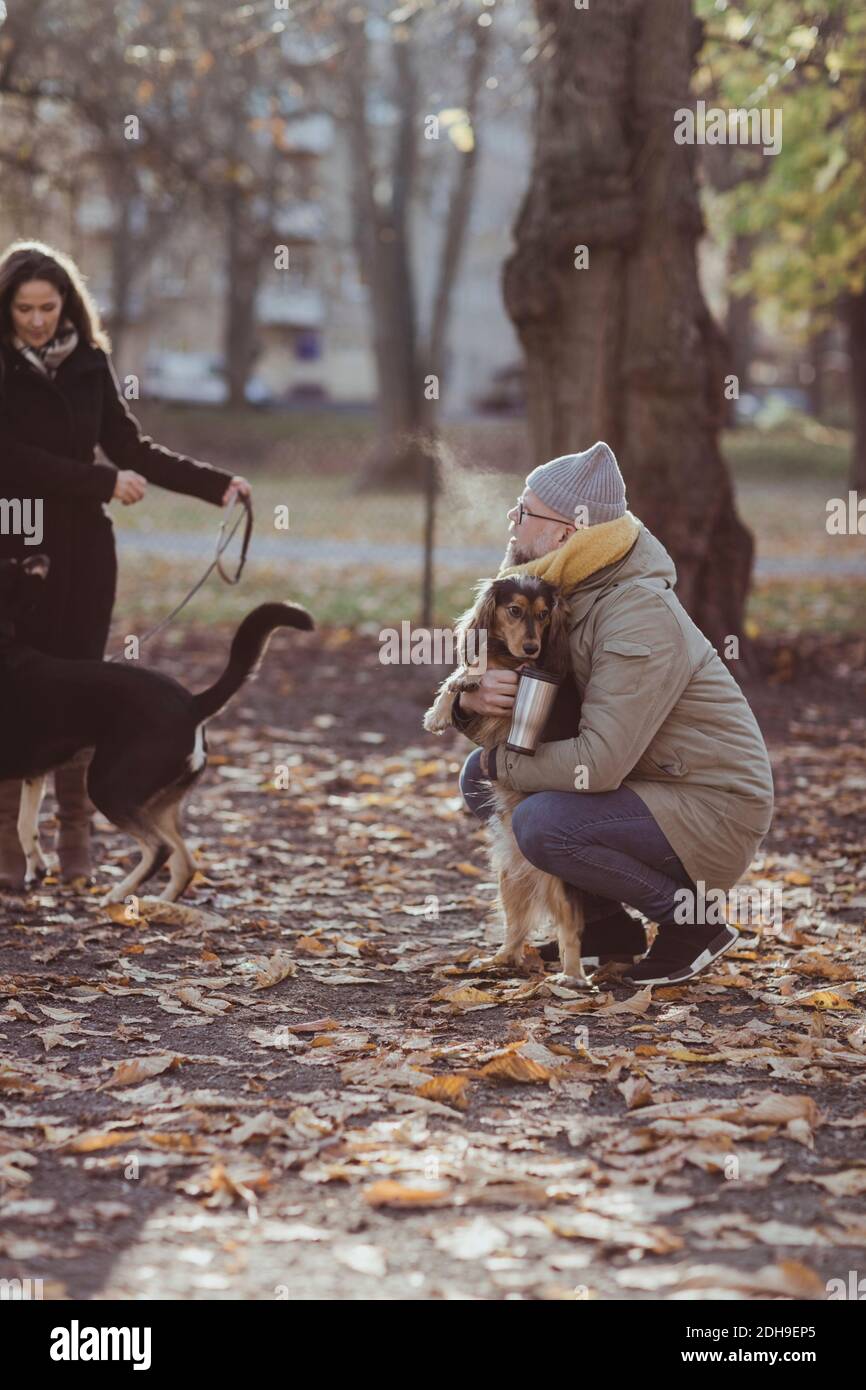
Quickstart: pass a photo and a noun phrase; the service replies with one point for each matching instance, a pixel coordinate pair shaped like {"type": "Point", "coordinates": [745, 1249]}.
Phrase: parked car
{"type": "Point", "coordinates": [196, 378]}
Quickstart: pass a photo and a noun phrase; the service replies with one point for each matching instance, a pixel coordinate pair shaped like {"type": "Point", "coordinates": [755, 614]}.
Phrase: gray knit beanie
{"type": "Point", "coordinates": [591, 479]}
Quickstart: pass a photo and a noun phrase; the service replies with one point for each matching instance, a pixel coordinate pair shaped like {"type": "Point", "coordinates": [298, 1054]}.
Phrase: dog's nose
{"type": "Point", "coordinates": [531, 649]}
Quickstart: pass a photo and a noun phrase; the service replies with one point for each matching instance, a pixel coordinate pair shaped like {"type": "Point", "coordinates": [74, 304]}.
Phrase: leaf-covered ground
{"type": "Point", "coordinates": [295, 1089]}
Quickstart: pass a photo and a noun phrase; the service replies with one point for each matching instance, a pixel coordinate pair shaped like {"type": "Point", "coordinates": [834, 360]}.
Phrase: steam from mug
{"type": "Point", "coordinates": [536, 692]}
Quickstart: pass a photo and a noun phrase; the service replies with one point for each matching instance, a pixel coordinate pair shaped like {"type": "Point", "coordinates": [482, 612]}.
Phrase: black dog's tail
{"type": "Point", "coordinates": [247, 650]}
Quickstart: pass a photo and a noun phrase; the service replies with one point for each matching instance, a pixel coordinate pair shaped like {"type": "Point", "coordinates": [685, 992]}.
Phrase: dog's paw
{"type": "Point", "coordinates": [114, 895]}
{"type": "Point", "coordinates": [501, 960]}
{"type": "Point", "coordinates": [573, 982]}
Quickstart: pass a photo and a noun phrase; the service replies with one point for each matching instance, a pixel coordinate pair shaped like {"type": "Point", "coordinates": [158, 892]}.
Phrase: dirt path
{"type": "Point", "coordinates": [297, 1091]}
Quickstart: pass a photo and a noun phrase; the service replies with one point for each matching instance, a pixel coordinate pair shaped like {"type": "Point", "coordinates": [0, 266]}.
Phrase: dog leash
{"type": "Point", "coordinates": [224, 538]}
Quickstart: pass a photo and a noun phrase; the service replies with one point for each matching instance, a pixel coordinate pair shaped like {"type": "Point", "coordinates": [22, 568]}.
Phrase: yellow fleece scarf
{"type": "Point", "coordinates": [591, 548]}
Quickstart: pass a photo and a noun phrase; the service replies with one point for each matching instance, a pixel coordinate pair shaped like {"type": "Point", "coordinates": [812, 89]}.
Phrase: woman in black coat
{"type": "Point", "coordinates": [59, 400]}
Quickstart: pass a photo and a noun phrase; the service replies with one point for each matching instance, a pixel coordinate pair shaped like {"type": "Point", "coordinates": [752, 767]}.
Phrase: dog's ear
{"type": "Point", "coordinates": [477, 619]}
{"type": "Point", "coordinates": [36, 565]}
{"type": "Point", "coordinates": [557, 648]}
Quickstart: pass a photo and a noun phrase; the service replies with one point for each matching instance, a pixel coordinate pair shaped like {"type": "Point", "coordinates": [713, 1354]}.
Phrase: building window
{"type": "Point", "coordinates": [308, 346]}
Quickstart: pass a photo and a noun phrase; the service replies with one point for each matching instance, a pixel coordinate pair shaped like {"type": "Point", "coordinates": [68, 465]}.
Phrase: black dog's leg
{"type": "Point", "coordinates": [111, 785]}
{"type": "Point", "coordinates": [139, 789]}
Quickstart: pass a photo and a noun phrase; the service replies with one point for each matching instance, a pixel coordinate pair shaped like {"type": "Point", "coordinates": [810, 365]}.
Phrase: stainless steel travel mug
{"type": "Point", "coordinates": [536, 692]}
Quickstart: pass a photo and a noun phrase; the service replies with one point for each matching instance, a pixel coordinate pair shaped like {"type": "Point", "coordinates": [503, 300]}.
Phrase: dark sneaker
{"type": "Point", "coordinates": [614, 939]}
{"type": "Point", "coordinates": [678, 953]}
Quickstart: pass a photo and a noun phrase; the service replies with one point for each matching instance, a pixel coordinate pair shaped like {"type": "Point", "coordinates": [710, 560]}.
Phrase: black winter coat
{"type": "Point", "coordinates": [49, 431]}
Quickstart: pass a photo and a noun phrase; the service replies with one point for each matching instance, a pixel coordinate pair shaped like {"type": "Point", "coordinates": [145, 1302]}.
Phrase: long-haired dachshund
{"type": "Point", "coordinates": [524, 620]}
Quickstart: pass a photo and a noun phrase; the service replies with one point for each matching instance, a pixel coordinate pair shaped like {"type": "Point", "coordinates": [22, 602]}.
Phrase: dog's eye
{"type": "Point", "coordinates": [543, 615]}
{"type": "Point", "coordinates": [515, 611]}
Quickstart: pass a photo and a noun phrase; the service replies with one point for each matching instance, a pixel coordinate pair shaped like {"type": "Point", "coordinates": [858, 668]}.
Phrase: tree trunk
{"type": "Point", "coordinates": [674, 358]}
{"type": "Point", "coordinates": [459, 207]}
{"type": "Point", "coordinates": [123, 258]}
{"type": "Point", "coordinates": [626, 350]}
{"type": "Point", "coordinates": [405, 450]}
{"type": "Point", "coordinates": [243, 251]}
{"type": "Point", "coordinates": [380, 230]}
{"type": "Point", "coordinates": [739, 322]}
{"type": "Point", "coordinates": [569, 320]}
{"type": "Point", "coordinates": [855, 319]}
{"type": "Point", "coordinates": [819, 342]}
{"type": "Point", "coordinates": [397, 458]}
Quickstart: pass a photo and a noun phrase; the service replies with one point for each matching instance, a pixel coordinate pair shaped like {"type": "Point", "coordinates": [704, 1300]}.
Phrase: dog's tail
{"type": "Point", "coordinates": [247, 650]}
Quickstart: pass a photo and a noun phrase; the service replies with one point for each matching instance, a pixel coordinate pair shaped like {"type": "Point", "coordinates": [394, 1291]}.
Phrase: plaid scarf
{"type": "Point", "coordinates": [48, 358]}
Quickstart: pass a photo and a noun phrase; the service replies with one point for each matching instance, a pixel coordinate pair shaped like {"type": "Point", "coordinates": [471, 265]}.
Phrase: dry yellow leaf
{"type": "Point", "coordinates": [636, 1004]}
{"type": "Point", "coordinates": [684, 1054]}
{"type": "Point", "coordinates": [185, 1143]}
{"type": "Point", "coordinates": [279, 967]}
{"type": "Point", "coordinates": [591, 1225]}
{"type": "Point", "coordinates": [824, 999]}
{"type": "Point", "coordinates": [94, 1139]}
{"type": "Point", "coordinates": [787, 1279]}
{"type": "Point", "coordinates": [124, 914]}
{"type": "Point", "coordinates": [465, 997]}
{"type": "Point", "coordinates": [848, 1182]}
{"type": "Point", "coordinates": [512, 1067]}
{"type": "Point", "coordinates": [450, 1089]}
{"type": "Point", "coordinates": [390, 1193]}
{"type": "Point", "coordinates": [142, 1069]}
{"type": "Point", "coordinates": [314, 944]}
{"type": "Point", "coordinates": [637, 1091]}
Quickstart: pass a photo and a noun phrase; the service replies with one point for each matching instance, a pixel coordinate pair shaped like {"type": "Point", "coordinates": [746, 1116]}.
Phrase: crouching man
{"type": "Point", "coordinates": [652, 784]}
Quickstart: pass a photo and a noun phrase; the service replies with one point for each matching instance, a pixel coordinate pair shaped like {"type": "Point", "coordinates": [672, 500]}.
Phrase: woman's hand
{"type": "Point", "coordinates": [129, 486]}
{"type": "Point", "coordinates": [238, 487]}
{"type": "Point", "coordinates": [495, 694]}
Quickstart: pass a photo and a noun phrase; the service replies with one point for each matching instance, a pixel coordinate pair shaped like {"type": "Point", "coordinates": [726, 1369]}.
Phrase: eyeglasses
{"type": "Point", "coordinates": [523, 511]}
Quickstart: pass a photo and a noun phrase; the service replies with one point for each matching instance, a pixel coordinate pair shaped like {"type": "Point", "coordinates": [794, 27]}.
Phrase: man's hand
{"type": "Point", "coordinates": [495, 694]}
{"type": "Point", "coordinates": [129, 486]}
{"type": "Point", "coordinates": [238, 487]}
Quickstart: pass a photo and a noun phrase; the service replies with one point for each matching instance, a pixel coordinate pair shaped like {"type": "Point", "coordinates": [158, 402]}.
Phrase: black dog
{"type": "Point", "coordinates": [146, 729]}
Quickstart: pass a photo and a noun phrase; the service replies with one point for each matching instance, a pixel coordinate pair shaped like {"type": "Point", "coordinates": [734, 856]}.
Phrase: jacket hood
{"type": "Point", "coordinates": [647, 559]}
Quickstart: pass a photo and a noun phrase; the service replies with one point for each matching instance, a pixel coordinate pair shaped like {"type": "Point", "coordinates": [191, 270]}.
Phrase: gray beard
{"type": "Point", "coordinates": [515, 555]}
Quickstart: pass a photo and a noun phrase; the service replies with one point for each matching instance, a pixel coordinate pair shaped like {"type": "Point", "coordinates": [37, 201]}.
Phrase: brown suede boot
{"type": "Point", "coordinates": [12, 862]}
{"type": "Point", "coordinates": [74, 810]}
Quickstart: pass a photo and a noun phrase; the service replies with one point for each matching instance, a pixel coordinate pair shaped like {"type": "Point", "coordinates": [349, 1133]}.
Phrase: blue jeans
{"type": "Point", "coordinates": [605, 843]}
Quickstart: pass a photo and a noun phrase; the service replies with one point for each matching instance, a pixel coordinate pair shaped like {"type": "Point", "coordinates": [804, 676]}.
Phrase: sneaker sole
{"type": "Point", "coordinates": [717, 947]}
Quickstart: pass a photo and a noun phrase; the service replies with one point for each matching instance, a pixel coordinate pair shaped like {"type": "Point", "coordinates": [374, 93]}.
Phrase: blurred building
{"type": "Point", "coordinates": [312, 326]}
